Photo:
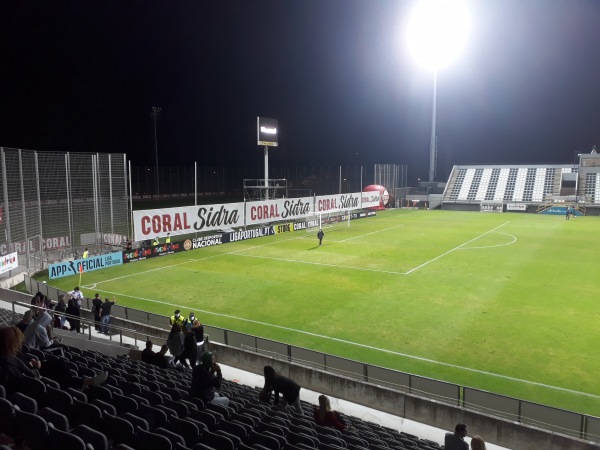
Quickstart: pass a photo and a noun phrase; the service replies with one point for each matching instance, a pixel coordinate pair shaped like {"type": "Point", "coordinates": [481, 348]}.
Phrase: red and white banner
{"type": "Point", "coordinates": [152, 223]}
{"type": "Point", "coordinates": [8, 262]}
{"type": "Point", "coordinates": [371, 199]}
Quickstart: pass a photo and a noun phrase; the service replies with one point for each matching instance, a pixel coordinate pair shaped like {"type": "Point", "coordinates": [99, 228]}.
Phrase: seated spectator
{"type": "Point", "coordinates": [175, 344]}
{"type": "Point", "coordinates": [198, 330]}
{"type": "Point", "coordinates": [36, 334]}
{"type": "Point", "coordinates": [206, 379]}
{"type": "Point", "coordinates": [148, 355]}
{"type": "Point", "coordinates": [25, 321]}
{"type": "Point", "coordinates": [161, 359]}
{"type": "Point", "coordinates": [14, 366]}
{"type": "Point", "coordinates": [477, 443]}
{"type": "Point", "coordinates": [326, 417]}
{"type": "Point", "coordinates": [456, 440]}
{"type": "Point", "coordinates": [290, 390]}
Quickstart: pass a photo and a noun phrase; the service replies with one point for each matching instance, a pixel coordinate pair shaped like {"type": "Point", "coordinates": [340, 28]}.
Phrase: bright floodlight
{"type": "Point", "coordinates": [437, 31]}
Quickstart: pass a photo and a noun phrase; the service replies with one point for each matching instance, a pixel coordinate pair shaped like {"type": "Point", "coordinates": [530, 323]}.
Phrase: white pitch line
{"type": "Point", "coordinates": [455, 248]}
{"type": "Point", "coordinates": [372, 232]}
{"type": "Point", "coordinates": [370, 347]}
{"type": "Point", "coordinates": [494, 246]}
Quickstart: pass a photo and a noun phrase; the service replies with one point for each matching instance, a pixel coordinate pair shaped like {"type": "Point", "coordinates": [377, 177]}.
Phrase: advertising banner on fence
{"type": "Point", "coordinates": [78, 266]}
{"type": "Point", "coordinates": [371, 199]}
{"type": "Point", "coordinates": [264, 211]}
{"type": "Point", "coordinates": [145, 252]}
{"type": "Point", "coordinates": [8, 262]}
{"type": "Point", "coordinates": [247, 234]}
{"type": "Point", "coordinates": [325, 203]}
{"type": "Point", "coordinates": [516, 207]}
{"type": "Point", "coordinates": [151, 223]}
{"type": "Point", "coordinates": [51, 243]}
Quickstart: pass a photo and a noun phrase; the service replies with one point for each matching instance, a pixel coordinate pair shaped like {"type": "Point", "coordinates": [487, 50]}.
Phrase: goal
{"type": "Point", "coordinates": [335, 218]}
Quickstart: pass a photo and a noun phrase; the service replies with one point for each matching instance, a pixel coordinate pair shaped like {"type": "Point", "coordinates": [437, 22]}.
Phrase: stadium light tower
{"type": "Point", "coordinates": [437, 33]}
{"type": "Point", "coordinates": [155, 113]}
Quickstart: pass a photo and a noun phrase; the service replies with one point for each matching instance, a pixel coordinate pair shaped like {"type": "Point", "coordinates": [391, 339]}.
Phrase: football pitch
{"type": "Point", "coordinates": [506, 303]}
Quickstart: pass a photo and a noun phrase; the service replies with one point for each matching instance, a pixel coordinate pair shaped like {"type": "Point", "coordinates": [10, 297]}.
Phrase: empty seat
{"type": "Point", "coordinates": [86, 413]}
{"type": "Point", "coordinates": [124, 404]}
{"type": "Point", "coordinates": [136, 421]}
{"type": "Point", "coordinates": [217, 441]}
{"type": "Point", "coordinates": [59, 400]}
{"type": "Point", "coordinates": [32, 428]}
{"type": "Point", "coordinates": [60, 421]}
{"type": "Point", "coordinates": [174, 438]}
{"type": "Point", "coordinates": [148, 440]}
{"type": "Point", "coordinates": [187, 430]}
{"type": "Point", "coordinates": [24, 402]}
{"type": "Point", "coordinates": [119, 430]}
{"type": "Point", "coordinates": [61, 440]}
{"type": "Point", "coordinates": [91, 436]}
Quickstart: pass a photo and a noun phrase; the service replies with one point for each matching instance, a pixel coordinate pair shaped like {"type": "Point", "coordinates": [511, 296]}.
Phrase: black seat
{"type": "Point", "coordinates": [136, 421]}
{"type": "Point", "coordinates": [217, 441]}
{"type": "Point", "coordinates": [104, 406]}
{"type": "Point", "coordinates": [155, 417]}
{"type": "Point", "coordinates": [59, 400]}
{"type": "Point", "coordinates": [91, 436]}
{"type": "Point", "coordinates": [124, 404]}
{"type": "Point", "coordinates": [187, 430]}
{"type": "Point", "coordinates": [148, 440]}
{"type": "Point", "coordinates": [24, 402]}
{"type": "Point", "coordinates": [209, 420]}
{"type": "Point", "coordinates": [60, 421]}
{"type": "Point", "coordinates": [174, 438]}
{"type": "Point", "coordinates": [32, 428]}
{"type": "Point", "coordinates": [86, 413]}
{"type": "Point", "coordinates": [119, 430]}
{"type": "Point", "coordinates": [265, 439]}
{"type": "Point", "coordinates": [7, 417]}
{"type": "Point", "coordinates": [61, 440]}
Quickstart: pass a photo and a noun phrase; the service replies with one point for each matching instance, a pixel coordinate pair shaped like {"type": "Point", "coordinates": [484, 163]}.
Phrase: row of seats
{"type": "Point", "coordinates": [142, 406]}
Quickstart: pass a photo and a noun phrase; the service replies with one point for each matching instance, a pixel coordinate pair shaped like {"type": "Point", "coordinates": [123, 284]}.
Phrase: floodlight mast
{"type": "Point", "coordinates": [437, 32]}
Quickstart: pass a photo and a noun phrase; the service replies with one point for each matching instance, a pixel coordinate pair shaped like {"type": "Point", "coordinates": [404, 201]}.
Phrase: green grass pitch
{"type": "Point", "coordinates": [507, 303]}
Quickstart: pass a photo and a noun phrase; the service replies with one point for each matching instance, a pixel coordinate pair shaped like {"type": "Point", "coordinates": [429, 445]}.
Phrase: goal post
{"type": "Point", "coordinates": [334, 218]}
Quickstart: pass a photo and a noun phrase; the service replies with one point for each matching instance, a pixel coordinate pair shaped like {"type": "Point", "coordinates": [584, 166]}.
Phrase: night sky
{"type": "Point", "coordinates": [83, 75]}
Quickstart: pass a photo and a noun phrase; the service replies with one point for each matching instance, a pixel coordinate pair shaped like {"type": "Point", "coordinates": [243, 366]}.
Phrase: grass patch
{"type": "Point", "coordinates": [501, 302]}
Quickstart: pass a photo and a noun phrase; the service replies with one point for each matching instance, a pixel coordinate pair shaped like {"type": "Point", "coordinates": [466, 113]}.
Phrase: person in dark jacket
{"type": "Point", "coordinates": [456, 440]}
{"type": "Point", "coordinates": [290, 390]}
{"type": "Point", "coordinates": [97, 306]}
{"type": "Point", "coordinates": [206, 379]}
{"type": "Point", "coordinates": [73, 316]}
{"type": "Point", "coordinates": [25, 321]}
{"type": "Point", "coordinates": [190, 350]}
{"type": "Point", "coordinates": [320, 235]}
{"type": "Point", "coordinates": [148, 355]}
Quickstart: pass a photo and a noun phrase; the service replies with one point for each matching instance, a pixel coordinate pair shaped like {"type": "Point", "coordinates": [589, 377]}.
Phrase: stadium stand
{"type": "Point", "coordinates": [139, 398]}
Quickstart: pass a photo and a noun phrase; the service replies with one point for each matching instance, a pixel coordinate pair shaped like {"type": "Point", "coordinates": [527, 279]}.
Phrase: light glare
{"type": "Point", "coordinates": [438, 31]}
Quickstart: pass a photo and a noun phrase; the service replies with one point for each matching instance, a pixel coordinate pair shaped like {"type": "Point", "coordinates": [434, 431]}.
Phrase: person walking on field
{"type": "Point", "coordinates": [320, 235]}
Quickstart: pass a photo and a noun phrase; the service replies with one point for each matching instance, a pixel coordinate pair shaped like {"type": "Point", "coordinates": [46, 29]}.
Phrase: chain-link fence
{"type": "Point", "coordinates": [54, 205]}
{"type": "Point", "coordinates": [301, 180]}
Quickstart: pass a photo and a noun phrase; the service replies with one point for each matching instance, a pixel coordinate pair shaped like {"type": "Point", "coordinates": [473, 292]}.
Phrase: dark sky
{"type": "Point", "coordinates": [83, 75]}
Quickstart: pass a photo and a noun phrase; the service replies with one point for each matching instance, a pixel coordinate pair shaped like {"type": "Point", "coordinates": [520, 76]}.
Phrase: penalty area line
{"type": "Point", "coordinates": [371, 347]}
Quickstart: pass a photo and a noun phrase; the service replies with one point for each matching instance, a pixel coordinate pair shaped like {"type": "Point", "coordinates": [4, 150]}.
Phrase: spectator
{"type": "Point", "coordinates": [477, 443]}
{"type": "Point", "coordinates": [190, 349]}
{"type": "Point", "coordinates": [36, 303]}
{"type": "Point", "coordinates": [206, 379]}
{"type": "Point", "coordinates": [105, 313]}
{"type": "Point", "coordinates": [456, 440]}
{"type": "Point", "coordinates": [73, 316]}
{"type": "Point", "coordinates": [59, 311]}
{"type": "Point", "coordinates": [97, 306]}
{"type": "Point", "coordinates": [326, 417]}
{"type": "Point", "coordinates": [176, 319]}
{"type": "Point", "coordinates": [14, 366]}
{"type": "Point", "coordinates": [25, 321]}
{"type": "Point", "coordinates": [36, 334]}
{"type": "Point", "coordinates": [289, 389]}
{"type": "Point", "coordinates": [148, 355]}
{"type": "Point", "coordinates": [175, 344]}
{"type": "Point", "coordinates": [198, 330]}
{"type": "Point", "coordinates": [161, 359]}
{"type": "Point", "coordinates": [76, 296]}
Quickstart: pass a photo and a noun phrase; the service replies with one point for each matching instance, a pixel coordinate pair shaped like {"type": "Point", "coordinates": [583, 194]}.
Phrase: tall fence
{"type": "Point", "coordinates": [302, 181]}
{"type": "Point", "coordinates": [566, 422]}
{"type": "Point", "coordinates": [54, 205]}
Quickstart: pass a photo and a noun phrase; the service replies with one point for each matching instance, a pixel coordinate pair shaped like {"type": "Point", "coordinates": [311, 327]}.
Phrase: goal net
{"type": "Point", "coordinates": [335, 218]}
{"type": "Point", "coordinates": [491, 206]}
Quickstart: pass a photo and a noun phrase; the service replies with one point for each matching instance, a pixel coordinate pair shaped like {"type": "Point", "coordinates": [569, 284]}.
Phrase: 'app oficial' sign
{"type": "Point", "coordinates": [67, 268]}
